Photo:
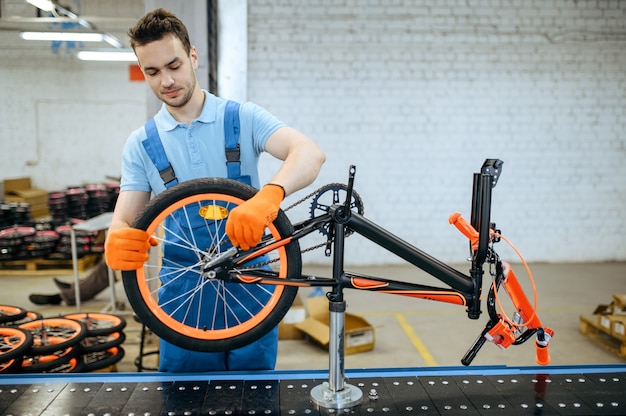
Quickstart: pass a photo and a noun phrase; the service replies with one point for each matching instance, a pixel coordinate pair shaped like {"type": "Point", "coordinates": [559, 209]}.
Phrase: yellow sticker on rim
{"type": "Point", "coordinates": [213, 212]}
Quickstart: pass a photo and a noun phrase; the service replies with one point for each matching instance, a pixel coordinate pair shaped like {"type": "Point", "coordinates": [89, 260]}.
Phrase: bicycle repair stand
{"type": "Point", "coordinates": [336, 393]}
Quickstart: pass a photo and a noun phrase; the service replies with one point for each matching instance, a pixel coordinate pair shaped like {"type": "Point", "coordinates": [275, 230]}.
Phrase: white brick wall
{"type": "Point", "coordinates": [418, 93]}
{"type": "Point", "coordinates": [64, 122]}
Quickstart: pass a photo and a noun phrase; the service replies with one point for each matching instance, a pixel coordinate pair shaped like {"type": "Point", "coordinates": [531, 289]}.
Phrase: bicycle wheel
{"type": "Point", "coordinates": [48, 362]}
{"type": "Point", "coordinates": [54, 334]}
{"type": "Point", "coordinates": [176, 300]}
{"type": "Point", "coordinates": [98, 323]}
{"type": "Point", "coordinates": [10, 313]}
{"type": "Point", "coordinates": [14, 342]}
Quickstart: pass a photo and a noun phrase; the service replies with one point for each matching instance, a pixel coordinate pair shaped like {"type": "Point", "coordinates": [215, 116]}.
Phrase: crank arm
{"type": "Point", "coordinates": [477, 345]}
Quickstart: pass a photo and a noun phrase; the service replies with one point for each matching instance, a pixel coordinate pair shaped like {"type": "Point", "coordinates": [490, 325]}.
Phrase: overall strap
{"type": "Point", "coordinates": [155, 150]}
{"type": "Point", "coordinates": [231, 139]}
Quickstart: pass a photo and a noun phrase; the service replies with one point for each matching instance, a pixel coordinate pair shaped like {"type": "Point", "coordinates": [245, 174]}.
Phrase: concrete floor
{"type": "Point", "coordinates": [408, 332]}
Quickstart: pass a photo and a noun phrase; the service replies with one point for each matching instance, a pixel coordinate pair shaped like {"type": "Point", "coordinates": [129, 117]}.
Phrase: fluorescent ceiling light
{"type": "Point", "coordinates": [63, 36]}
{"type": "Point", "coordinates": [112, 40]}
{"type": "Point", "coordinates": [111, 56]}
{"type": "Point", "coordinates": [45, 5]}
{"type": "Point", "coordinates": [60, 11]}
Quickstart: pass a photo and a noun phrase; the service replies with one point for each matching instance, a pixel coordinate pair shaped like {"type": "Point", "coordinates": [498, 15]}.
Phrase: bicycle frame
{"type": "Point", "coordinates": [463, 290]}
{"type": "Point", "coordinates": [339, 216]}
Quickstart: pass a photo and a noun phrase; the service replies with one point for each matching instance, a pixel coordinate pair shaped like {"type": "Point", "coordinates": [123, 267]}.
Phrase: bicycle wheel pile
{"type": "Point", "coordinates": [80, 342]}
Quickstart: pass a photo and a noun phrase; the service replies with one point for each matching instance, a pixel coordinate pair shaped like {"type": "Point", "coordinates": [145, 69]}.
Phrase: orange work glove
{"type": "Point", "coordinates": [127, 248]}
{"type": "Point", "coordinates": [247, 222]}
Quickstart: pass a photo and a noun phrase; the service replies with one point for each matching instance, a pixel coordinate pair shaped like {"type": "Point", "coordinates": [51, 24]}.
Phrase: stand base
{"type": "Point", "coordinates": [349, 396]}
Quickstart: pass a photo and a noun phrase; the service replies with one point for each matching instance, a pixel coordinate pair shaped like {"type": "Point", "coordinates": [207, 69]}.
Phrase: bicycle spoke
{"type": "Point", "coordinates": [8, 343]}
{"type": "Point", "coordinates": [53, 334]}
{"type": "Point", "coordinates": [13, 342]}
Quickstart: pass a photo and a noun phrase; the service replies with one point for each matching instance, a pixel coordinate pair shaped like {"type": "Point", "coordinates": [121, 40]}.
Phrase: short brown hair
{"type": "Point", "coordinates": [155, 25]}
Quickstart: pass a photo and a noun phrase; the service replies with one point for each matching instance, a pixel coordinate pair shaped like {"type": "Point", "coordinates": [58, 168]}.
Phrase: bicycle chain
{"type": "Point", "coordinates": [303, 199]}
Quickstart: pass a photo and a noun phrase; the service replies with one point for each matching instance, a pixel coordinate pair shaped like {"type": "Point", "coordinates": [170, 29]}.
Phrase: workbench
{"type": "Point", "coordinates": [575, 390]}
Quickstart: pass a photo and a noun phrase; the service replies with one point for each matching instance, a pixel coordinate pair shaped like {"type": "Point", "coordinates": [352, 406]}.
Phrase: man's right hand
{"type": "Point", "coordinates": [127, 248]}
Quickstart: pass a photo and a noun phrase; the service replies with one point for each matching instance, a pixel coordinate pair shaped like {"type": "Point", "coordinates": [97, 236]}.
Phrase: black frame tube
{"type": "Point", "coordinates": [484, 218]}
{"type": "Point", "coordinates": [378, 235]}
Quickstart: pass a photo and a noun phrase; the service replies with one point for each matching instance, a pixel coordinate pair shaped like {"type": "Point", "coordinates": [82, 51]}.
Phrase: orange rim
{"type": "Point", "coordinates": [12, 337]}
{"type": "Point", "coordinates": [199, 333]}
{"type": "Point", "coordinates": [33, 326]}
{"type": "Point", "coordinates": [6, 310]}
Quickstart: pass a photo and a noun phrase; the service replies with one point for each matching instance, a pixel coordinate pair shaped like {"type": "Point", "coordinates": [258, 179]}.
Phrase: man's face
{"type": "Point", "coordinates": [169, 70]}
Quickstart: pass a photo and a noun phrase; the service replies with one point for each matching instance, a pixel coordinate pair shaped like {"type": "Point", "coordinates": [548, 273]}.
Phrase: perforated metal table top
{"type": "Point", "coordinates": [580, 390]}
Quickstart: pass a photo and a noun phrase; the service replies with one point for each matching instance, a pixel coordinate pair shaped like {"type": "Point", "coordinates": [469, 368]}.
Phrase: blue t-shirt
{"type": "Point", "coordinates": [197, 150]}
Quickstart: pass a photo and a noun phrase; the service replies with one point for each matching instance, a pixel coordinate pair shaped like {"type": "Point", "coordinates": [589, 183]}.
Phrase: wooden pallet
{"type": "Point", "coordinates": [42, 266]}
{"type": "Point", "coordinates": [591, 329]}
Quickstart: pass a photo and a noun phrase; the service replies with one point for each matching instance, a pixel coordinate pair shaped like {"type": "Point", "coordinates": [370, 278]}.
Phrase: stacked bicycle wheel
{"type": "Point", "coordinates": [80, 342]}
{"type": "Point", "coordinates": [102, 345]}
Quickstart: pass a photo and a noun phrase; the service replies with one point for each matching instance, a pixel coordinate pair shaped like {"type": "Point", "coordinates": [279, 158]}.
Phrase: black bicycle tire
{"type": "Point", "coordinates": [99, 360]}
{"type": "Point", "coordinates": [32, 363]}
{"type": "Point", "coordinates": [29, 317]}
{"type": "Point", "coordinates": [193, 189]}
{"type": "Point", "coordinates": [102, 342]}
{"type": "Point", "coordinates": [43, 348]}
{"type": "Point", "coordinates": [13, 366]}
{"type": "Point", "coordinates": [18, 313]}
{"type": "Point", "coordinates": [74, 365]}
{"type": "Point", "coordinates": [20, 349]}
{"type": "Point", "coordinates": [98, 323]}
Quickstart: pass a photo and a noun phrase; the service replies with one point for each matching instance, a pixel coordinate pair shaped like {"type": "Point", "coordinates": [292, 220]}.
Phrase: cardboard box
{"type": "Point", "coordinates": [21, 190]}
{"type": "Point", "coordinates": [604, 323]}
{"type": "Point", "coordinates": [619, 303]}
{"type": "Point", "coordinates": [618, 326]}
{"type": "Point", "coordinates": [359, 334]}
{"type": "Point", "coordinates": [296, 314]}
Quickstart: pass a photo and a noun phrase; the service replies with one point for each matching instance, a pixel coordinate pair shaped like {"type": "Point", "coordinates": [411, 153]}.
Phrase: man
{"type": "Point", "coordinates": [190, 125]}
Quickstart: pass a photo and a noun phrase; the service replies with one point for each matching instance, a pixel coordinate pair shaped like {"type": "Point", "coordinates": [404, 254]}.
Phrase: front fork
{"type": "Point", "coordinates": [504, 333]}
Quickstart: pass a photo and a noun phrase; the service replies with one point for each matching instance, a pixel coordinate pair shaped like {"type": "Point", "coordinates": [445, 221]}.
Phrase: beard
{"type": "Point", "coordinates": [185, 92]}
{"type": "Point", "coordinates": [183, 97]}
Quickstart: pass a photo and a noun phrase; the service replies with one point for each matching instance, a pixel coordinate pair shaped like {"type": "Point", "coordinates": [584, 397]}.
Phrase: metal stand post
{"type": "Point", "coordinates": [336, 393]}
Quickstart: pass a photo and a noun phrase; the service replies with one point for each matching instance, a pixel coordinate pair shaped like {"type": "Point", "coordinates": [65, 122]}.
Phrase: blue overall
{"type": "Point", "coordinates": [259, 355]}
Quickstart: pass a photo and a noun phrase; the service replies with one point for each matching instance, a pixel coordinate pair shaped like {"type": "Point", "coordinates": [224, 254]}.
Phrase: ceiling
{"type": "Point", "coordinates": [109, 16]}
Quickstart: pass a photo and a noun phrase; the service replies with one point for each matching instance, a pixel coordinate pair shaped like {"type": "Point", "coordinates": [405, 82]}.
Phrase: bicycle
{"type": "Point", "coordinates": [220, 297]}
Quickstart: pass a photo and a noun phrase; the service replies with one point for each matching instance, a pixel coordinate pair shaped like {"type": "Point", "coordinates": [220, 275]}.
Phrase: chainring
{"type": "Point", "coordinates": [333, 194]}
